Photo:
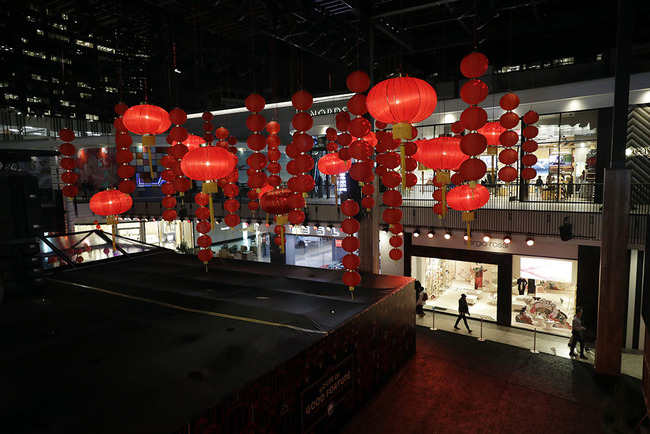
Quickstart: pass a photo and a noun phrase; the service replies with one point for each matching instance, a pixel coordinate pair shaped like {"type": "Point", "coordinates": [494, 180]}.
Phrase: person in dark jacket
{"type": "Point", "coordinates": [463, 310]}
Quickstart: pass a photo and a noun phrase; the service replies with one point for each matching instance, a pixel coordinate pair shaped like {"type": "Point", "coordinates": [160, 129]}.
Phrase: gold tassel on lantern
{"type": "Point", "coordinates": [468, 216]}
{"type": "Point", "coordinates": [336, 193]}
{"type": "Point", "coordinates": [112, 220]}
{"type": "Point", "coordinates": [149, 141]}
{"type": "Point", "coordinates": [208, 188]}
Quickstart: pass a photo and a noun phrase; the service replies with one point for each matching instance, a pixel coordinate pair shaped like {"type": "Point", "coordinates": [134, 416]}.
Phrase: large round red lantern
{"type": "Point", "coordinates": [467, 198]}
{"type": "Point", "coordinates": [146, 120]}
{"type": "Point", "coordinates": [401, 100]}
{"type": "Point", "coordinates": [331, 164]}
{"type": "Point", "coordinates": [207, 163]}
{"type": "Point", "coordinates": [474, 65]}
{"type": "Point", "coordinates": [441, 153]}
{"type": "Point", "coordinates": [492, 131]}
{"type": "Point", "coordinates": [275, 201]}
{"type": "Point", "coordinates": [110, 203]}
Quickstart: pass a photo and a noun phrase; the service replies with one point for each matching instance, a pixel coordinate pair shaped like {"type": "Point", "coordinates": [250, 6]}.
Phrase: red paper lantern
{"type": "Point", "coordinates": [466, 198]}
{"type": "Point", "coordinates": [508, 138]}
{"type": "Point", "coordinates": [275, 201]}
{"type": "Point", "coordinates": [110, 203]}
{"type": "Point", "coordinates": [473, 169]}
{"type": "Point", "coordinates": [66, 134]}
{"type": "Point", "coordinates": [473, 118]}
{"type": "Point", "coordinates": [351, 262]}
{"type": "Point", "coordinates": [331, 164]}
{"type": "Point", "coordinates": [509, 101]}
{"type": "Point", "coordinates": [474, 65]}
{"type": "Point", "coordinates": [147, 120]}
{"type": "Point", "coordinates": [401, 100]}
{"type": "Point", "coordinates": [509, 120]}
{"type": "Point", "coordinates": [492, 131]}
{"type": "Point", "coordinates": [528, 173]}
{"type": "Point", "coordinates": [273, 127]}
{"type": "Point", "coordinates": [473, 144]}
{"type": "Point", "coordinates": [350, 244]}
{"type": "Point", "coordinates": [255, 102]}
{"type": "Point", "coordinates": [342, 122]}
{"type": "Point", "coordinates": [508, 156]}
{"type": "Point", "coordinates": [474, 91]}
{"type": "Point", "coordinates": [529, 146]}
{"type": "Point", "coordinates": [192, 142]}
{"type": "Point", "coordinates": [207, 163]}
{"type": "Point", "coordinates": [531, 117]}
{"type": "Point", "coordinates": [302, 100]}
{"type": "Point", "coordinates": [529, 160]}
{"type": "Point", "coordinates": [395, 254]}
{"type": "Point", "coordinates": [351, 278]}
{"type": "Point", "coordinates": [357, 105]}
{"type": "Point", "coordinates": [530, 132]}
{"type": "Point", "coordinates": [350, 208]}
{"type": "Point", "coordinates": [358, 81]}
{"type": "Point", "coordinates": [507, 174]}
{"type": "Point", "coordinates": [457, 127]}
{"type": "Point", "coordinates": [302, 121]}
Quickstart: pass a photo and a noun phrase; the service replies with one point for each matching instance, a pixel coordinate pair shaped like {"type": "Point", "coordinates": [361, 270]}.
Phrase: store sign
{"type": "Point", "coordinates": [542, 247]}
{"type": "Point", "coordinates": [327, 111]}
{"type": "Point", "coordinates": [321, 398]}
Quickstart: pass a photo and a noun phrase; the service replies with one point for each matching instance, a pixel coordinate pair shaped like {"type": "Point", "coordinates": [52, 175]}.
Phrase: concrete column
{"type": "Point", "coordinates": [613, 286]}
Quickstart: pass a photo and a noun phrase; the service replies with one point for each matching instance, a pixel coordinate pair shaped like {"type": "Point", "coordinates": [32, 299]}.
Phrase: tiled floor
{"type": "Point", "coordinates": [631, 362]}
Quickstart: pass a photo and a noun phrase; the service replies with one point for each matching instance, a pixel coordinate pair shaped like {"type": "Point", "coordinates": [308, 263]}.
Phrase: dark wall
{"type": "Point", "coordinates": [587, 290]}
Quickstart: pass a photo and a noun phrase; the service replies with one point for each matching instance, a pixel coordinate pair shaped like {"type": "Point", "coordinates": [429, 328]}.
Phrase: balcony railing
{"type": "Point", "coordinates": [536, 211]}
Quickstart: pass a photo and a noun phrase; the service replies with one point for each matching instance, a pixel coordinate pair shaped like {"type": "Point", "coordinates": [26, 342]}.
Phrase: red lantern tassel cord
{"type": "Point", "coordinates": [350, 244]}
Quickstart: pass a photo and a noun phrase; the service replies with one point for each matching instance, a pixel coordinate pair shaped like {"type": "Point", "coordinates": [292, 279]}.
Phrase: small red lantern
{"type": "Point", "coordinates": [492, 131]}
{"type": "Point", "coordinates": [110, 203]}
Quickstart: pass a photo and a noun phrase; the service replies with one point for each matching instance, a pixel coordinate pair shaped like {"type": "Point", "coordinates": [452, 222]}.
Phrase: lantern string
{"type": "Point", "coordinates": [175, 72]}
{"type": "Point", "coordinates": [250, 14]}
{"type": "Point", "coordinates": [475, 25]}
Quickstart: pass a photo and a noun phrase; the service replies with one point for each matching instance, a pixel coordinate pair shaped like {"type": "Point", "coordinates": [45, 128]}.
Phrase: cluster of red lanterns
{"type": "Point", "coordinates": [69, 163]}
{"type": "Point", "coordinates": [257, 161]}
{"type": "Point", "coordinates": [179, 148]}
{"type": "Point", "coordinates": [124, 156]}
{"type": "Point", "coordinates": [273, 154]}
{"type": "Point", "coordinates": [508, 138]}
{"type": "Point", "coordinates": [350, 244]}
{"type": "Point", "coordinates": [172, 164]}
{"type": "Point", "coordinates": [344, 139]}
{"type": "Point", "coordinates": [362, 148]}
{"type": "Point", "coordinates": [203, 227]}
{"type": "Point", "coordinates": [473, 117]}
{"type": "Point", "coordinates": [229, 181]}
{"type": "Point", "coordinates": [529, 132]}
{"type": "Point", "coordinates": [301, 182]}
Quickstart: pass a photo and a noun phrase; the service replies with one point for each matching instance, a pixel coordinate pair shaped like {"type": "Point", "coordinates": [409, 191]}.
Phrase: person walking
{"type": "Point", "coordinates": [576, 335]}
{"type": "Point", "coordinates": [420, 299]}
{"type": "Point", "coordinates": [463, 310]}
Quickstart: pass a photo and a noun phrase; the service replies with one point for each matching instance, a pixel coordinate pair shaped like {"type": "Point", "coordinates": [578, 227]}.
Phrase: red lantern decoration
{"type": "Point", "coordinates": [68, 164]}
{"type": "Point", "coordinates": [474, 92]}
{"type": "Point", "coordinates": [529, 132]}
{"type": "Point", "coordinates": [474, 65]}
{"type": "Point", "coordinates": [207, 163]}
{"type": "Point", "coordinates": [147, 120]}
{"type": "Point", "coordinates": [492, 131]}
{"type": "Point", "coordinates": [110, 203]}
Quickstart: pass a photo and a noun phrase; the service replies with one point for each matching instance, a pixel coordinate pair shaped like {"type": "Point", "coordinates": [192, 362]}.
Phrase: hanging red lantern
{"type": "Point", "coordinates": [474, 65]}
{"type": "Point", "coordinates": [68, 164]}
{"type": "Point", "coordinates": [492, 131]}
{"type": "Point", "coordinates": [508, 173]}
{"type": "Point", "coordinates": [473, 118]}
{"type": "Point", "coordinates": [473, 144]}
{"type": "Point", "coordinates": [474, 92]}
{"type": "Point", "coordinates": [207, 163]}
{"type": "Point", "coordinates": [358, 81]}
{"type": "Point", "coordinates": [147, 120]}
{"type": "Point", "coordinates": [531, 117]}
{"type": "Point", "coordinates": [110, 203]}
{"type": "Point", "coordinates": [509, 101]}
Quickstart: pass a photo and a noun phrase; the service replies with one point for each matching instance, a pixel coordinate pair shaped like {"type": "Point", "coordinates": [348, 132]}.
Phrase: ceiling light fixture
{"type": "Point", "coordinates": [507, 239]}
{"type": "Point", "coordinates": [431, 233]}
{"type": "Point", "coordinates": [530, 240]}
{"type": "Point", "coordinates": [447, 235]}
{"type": "Point", "coordinates": [465, 236]}
{"type": "Point", "coordinates": [416, 233]}
{"type": "Point", "coordinates": [487, 238]}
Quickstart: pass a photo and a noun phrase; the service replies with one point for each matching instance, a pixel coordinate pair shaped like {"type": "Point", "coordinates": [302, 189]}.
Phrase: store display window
{"type": "Point", "coordinates": [544, 293]}
{"type": "Point", "coordinates": [445, 280]}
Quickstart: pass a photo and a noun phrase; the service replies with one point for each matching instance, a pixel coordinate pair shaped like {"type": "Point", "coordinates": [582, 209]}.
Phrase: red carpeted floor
{"type": "Point", "coordinates": [456, 384]}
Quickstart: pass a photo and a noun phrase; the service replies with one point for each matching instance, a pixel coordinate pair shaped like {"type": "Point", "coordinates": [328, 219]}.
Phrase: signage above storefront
{"type": "Point", "coordinates": [542, 247]}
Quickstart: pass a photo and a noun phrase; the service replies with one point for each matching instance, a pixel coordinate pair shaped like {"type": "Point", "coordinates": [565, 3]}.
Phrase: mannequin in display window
{"type": "Point", "coordinates": [521, 285]}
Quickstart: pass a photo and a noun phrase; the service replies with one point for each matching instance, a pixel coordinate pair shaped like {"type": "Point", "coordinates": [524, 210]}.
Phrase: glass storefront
{"type": "Point", "coordinates": [173, 235]}
{"type": "Point", "coordinates": [445, 280]}
{"type": "Point", "coordinates": [544, 293]}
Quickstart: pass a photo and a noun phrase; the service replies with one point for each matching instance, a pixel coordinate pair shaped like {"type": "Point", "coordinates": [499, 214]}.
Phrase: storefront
{"type": "Point", "coordinates": [512, 284]}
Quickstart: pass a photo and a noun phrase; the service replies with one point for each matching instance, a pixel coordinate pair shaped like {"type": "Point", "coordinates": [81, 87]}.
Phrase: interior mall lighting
{"type": "Point", "coordinates": [416, 233]}
{"type": "Point", "coordinates": [530, 240]}
{"type": "Point", "coordinates": [507, 239]}
{"type": "Point", "coordinates": [465, 236]}
{"type": "Point", "coordinates": [431, 233]}
{"type": "Point", "coordinates": [316, 226]}
{"type": "Point", "coordinates": [330, 227]}
{"type": "Point", "coordinates": [487, 238]}
{"type": "Point", "coordinates": [447, 235]}
{"type": "Point", "coordinates": [385, 229]}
